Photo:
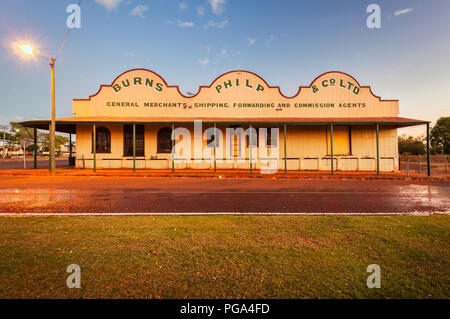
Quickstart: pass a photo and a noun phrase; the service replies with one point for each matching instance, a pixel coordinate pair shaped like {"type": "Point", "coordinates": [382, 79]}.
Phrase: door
{"type": "Point", "coordinates": [236, 142]}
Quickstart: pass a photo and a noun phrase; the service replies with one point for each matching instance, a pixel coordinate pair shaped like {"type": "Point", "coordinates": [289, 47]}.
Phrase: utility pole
{"type": "Point", "coordinates": [52, 127]}
{"type": "Point", "coordinates": [52, 123]}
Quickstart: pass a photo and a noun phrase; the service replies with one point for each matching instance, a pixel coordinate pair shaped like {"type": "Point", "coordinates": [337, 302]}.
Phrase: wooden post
{"type": "Point", "coordinates": [173, 147]}
{"type": "Point", "coordinates": [53, 120]}
{"type": "Point", "coordinates": [331, 148]}
{"type": "Point", "coordinates": [428, 150]}
{"type": "Point", "coordinates": [285, 153]}
{"type": "Point", "coordinates": [70, 149]}
{"type": "Point", "coordinates": [378, 149]}
{"type": "Point", "coordinates": [70, 144]}
{"type": "Point", "coordinates": [134, 147]}
{"type": "Point", "coordinates": [95, 148]}
{"type": "Point", "coordinates": [250, 140]}
{"type": "Point", "coordinates": [215, 143]}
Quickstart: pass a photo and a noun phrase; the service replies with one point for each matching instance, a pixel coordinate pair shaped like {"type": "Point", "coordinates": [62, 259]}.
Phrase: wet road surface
{"type": "Point", "coordinates": [170, 195]}
{"type": "Point", "coordinates": [40, 163]}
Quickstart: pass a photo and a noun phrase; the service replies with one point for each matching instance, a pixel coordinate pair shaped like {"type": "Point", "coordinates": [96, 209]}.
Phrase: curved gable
{"type": "Point", "coordinates": [337, 82]}
{"type": "Point", "coordinates": [235, 94]}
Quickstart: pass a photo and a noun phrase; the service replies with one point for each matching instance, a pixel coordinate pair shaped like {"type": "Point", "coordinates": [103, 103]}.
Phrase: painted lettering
{"type": "Point", "coordinates": [137, 81]}
{"type": "Point", "coordinates": [148, 82]}
{"type": "Point", "coordinates": [116, 87]}
{"type": "Point", "coordinates": [227, 84]}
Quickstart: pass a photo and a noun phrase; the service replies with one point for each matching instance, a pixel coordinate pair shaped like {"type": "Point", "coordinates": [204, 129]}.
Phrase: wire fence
{"type": "Point", "coordinates": [417, 164]}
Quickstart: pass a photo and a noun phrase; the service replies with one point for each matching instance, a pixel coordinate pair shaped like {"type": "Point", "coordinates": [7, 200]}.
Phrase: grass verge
{"type": "Point", "coordinates": [225, 257]}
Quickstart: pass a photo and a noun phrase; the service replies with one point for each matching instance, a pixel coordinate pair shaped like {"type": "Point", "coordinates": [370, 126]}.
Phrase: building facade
{"type": "Point", "coordinates": [237, 122]}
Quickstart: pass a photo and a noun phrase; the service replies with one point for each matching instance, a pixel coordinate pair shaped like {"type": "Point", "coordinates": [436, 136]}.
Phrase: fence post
{"type": "Point", "coordinates": [407, 165]}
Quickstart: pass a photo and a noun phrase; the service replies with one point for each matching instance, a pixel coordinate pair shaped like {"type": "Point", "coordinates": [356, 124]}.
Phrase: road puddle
{"type": "Point", "coordinates": [34, 195]}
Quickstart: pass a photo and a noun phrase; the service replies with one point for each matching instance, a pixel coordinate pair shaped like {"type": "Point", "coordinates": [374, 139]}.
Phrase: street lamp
{"type": "Point", "coordinates": [24, 146]}
{"type": "Point", "coordinates": [29, 50]}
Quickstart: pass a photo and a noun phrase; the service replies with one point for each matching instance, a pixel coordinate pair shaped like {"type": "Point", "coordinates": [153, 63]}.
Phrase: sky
{"type": "Point", "coordinates": [191, 42]}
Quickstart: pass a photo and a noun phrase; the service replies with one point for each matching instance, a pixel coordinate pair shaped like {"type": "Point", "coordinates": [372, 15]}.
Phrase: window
{"type": "Point", "coordinates": [165, 140]}
{"type": "Point", "coordinates": [341, 140]}
{"type": "Point", "coordinates": [128, 140]}
{"type": "Point", "coordinates": [271, 141]}
{"type": "Point", "coordinates": [103, 140]}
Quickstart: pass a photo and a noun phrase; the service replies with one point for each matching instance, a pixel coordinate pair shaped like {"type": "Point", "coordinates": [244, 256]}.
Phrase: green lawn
{"type": "Point", "coordinates": [225, 257]}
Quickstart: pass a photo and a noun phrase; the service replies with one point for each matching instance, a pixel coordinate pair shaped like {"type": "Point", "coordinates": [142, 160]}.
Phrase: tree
{"type": "Point", "coordinates": [59, 142]}
{"type": "Point", "coordinates": [43, 139]}
{"type": "Point", "coordinates": [8, 136]}
{"type": "Point", "coordinates": [20, 133]}
{"type": "Point", "coordinates": [440, 136]}
{"type": "Point", "coordinates": [409, 145]}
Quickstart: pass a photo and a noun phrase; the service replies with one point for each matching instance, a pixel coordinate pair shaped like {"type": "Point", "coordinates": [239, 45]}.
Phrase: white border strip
{"type": "Point", "coordinates": [416, 213]}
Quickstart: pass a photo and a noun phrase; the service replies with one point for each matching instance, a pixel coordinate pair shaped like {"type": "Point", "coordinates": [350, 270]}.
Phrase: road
{"type": "Point", "coordinates": [8, 164]}
{"type": "Point", "coordinates": [187, 195]}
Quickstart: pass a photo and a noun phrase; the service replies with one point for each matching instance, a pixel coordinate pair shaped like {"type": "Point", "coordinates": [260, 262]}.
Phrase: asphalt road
{"type": "Point", "coordinates": [184, 195]}
{"type": "Point", "coordinates": [18, 164]}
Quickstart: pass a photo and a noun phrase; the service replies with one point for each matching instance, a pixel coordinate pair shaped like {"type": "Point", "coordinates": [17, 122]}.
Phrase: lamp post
{"type": "Point", "coordinates": [29, 50]}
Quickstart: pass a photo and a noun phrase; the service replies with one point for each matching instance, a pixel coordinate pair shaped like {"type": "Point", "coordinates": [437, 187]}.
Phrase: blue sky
{"type": "Point", "coordinates": [191, 42]}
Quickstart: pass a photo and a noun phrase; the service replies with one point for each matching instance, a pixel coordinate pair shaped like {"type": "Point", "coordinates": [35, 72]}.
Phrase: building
{"type": "Point", "coordinates": [332, 124]}
{"type": "Point", "coordinates": [8, 149]}
{"type": "Point", "coordinates": [68, 149]}
{"type": "Point", "coordinates": [4, 147]}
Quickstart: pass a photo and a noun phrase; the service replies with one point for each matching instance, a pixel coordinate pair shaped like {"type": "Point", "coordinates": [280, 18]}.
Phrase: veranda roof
{"type": "Point", "coordinates": [68, 124]}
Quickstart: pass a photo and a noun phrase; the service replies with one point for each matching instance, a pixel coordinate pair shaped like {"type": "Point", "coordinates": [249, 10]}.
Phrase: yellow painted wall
{"type": "Point", "coordinates": [306, 149]}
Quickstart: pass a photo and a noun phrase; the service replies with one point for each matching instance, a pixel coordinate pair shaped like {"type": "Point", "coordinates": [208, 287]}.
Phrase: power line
{"type": "Point", "coordinates": [65, 37]}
